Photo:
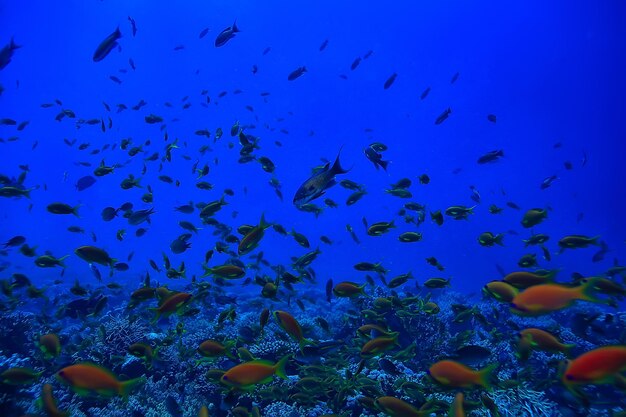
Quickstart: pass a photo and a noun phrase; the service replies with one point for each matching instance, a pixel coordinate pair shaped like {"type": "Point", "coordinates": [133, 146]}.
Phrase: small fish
{"type": "Point", "coordinates": [133, 25]}
{"type": "Point", "coordinates": [443, 116]}
{"type": "Point", "coordinates": [323, 45]}
{"type": "Point", "coordinates": [390, 81]}
{"type": "Point", "coordinates": [203, 33]}
{"type": "Point", "coordinates": [297, 73]}
{"type": "Point", "coordinates": [88, 377]}
{"type": "Point", "coordinates": [491, 156]}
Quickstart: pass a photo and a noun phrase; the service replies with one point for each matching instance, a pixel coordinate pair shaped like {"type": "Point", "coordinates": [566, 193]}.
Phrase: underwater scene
{"type": "Point", "coordinates": [282, 209]}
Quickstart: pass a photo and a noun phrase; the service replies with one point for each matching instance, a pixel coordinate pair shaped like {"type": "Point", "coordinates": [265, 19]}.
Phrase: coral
{"type": "Point", "coordinates": [523, 401]}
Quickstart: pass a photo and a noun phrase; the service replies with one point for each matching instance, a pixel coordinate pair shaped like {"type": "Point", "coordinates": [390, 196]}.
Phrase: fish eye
{"type": "Point", "coordinates": [569, 377]}
{"type": "Point", "coordinates": [225, 378]}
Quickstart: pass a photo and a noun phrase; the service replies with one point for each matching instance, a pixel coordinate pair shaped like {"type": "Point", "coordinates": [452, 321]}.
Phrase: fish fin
{"type": "Point", "coordinates": [587, 292]}
{"type": "Point", "coordinates": [486, 374]}
{"type": "Point", "coordinates": [567, 349]}
{"type": "Point", "coordinates": [280, 366]}
{"type": "Point", "coordinates": [235, 28]}
{"type": "Point", "coordinates": [336, 168]}
{"type": "Point", "coordinates": [499, 238]}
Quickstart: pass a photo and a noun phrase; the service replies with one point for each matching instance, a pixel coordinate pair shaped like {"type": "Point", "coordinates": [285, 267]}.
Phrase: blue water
{"type": "Point", "coordinates": [551, 73]}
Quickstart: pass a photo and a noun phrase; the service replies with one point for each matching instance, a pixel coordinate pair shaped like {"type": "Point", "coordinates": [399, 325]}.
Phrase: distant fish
{"type": "Point", "coordinates": [297, 73]}
{"type": "Point", "coordinates": [443, 116]}
{"type": "Point", "coordinates": [107, 45]}
{"type": "Point", "coordinates": [390, 81]}
{"type": "Point", "coordinates": [85, 182]}
{"type": "Point", "coordinates": [133, 25]}
{"type": "Point", "coordinates": [324, 45]}
{"type": "Point", "coordinates": [454, 78]}
{"type": "Point", "coordinates": [425, 93]}
{"type": "Point", "coordinates": [6, 53]}
{"type": "Point", "coordinates": [355, 63]}
{"type": "Point", "coordinates": [489, 157]}
{"type": "Point", "coordinates": [203, 33]}
{"type": "Point", "coordinates": [226, 35]}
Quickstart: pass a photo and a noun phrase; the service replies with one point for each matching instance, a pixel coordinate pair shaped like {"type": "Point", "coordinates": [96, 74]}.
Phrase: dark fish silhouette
{"type": "Point", "coordinates": [297, 73]}
{"type": "Point", "coordinates": [226, 35]}
{"type": "Point", "coordinates": [315, 186]}
{"type": "Point", "coordinates": [7, 53]}
{"type": "Point", "coordinates": [85, 182]}
{"type": "Point", "coordinates": [390, 81]}
{"type": "Point", "coordinates": [107, 45]}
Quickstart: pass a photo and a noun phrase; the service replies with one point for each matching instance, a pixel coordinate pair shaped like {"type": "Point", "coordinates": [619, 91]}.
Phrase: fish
{"type": "Point", "coordinates": [490, 157]}
{"type": "Point", "coordinates": [577, 241]}
{"type": "Point", "coordinates": [297, 73]}
{"type": "Point", "coordinates": [203, 33]}
{"type": "Point", "coordinates": [227, 34]}
{"type": "Point", "coordinates": [443, 116]}
{"type": "Point", "coordinates": [317, 185]}
{"type": "Point", "coordinates": [389, 82]}
{"type": "Point", "coordinates": [456, 375]}
{"type": "Point", "coordinates": [247, 375]}
{"type": "Point", "coordinates": [133, 25]}
{"type": "Point", "coordinates": [92, 254]}
{"type": "Point", "coordinates": [62, 208]}
{"type": "Point", "coordinates": [323, 45]}
{"type": "Point", "coordinates": [86, 378]}
{"type": "Point", "coordinates": [347, 289]}
{"type": "Point", "coordinates": [376, 158]}
{"type": "Point", "coordinates": [602, 365]}
{"type": "Point", "coordinates": [395, 407]}
{"type": "Point", "coordinates": [489, 239]}
{"type": "Point", "coordinates": [85, 182]}
{"type": "Point", "coordinates": [289, 324]}
{"type": "Point", "coordinates": [6, 53]}
{"type": "Point", "coordinates": [107, 45]}
{"type": "Point", "coordinates": [49, 403]}
{"type": "Point", "coordinates": [533, 217]}
{"type": "Point", "coordinates": [546, 298]}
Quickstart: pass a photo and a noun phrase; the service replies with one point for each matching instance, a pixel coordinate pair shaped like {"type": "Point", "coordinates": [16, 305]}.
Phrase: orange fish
{"type": "Point", "coordinates": [540, 340]}
{"type": "Point", "coordinates": [348, 289]}
{"type": "Point", "coordinates": [49, 404]}
{"type": "Point", "coordinates": [599, 366]}
{"type": "Point", "coordinates": [291, 326]}
{"type": "Point", "coordinates": [212, 348]}
{"type": "Point", "coordinates": [204, 412]}
{"type": "Point", "coordinates": [396, 407]}
{"type": "Point", "coordinates": [246, 375]}
{"type": "Point", "coordinates": [501, 291]}
{"type": "Point", "coordinates": [546, 298]}
{"type": "Point", "coordinates": [87, 378]}
{"type": "Point", "coordinates": [379, 345]}
{"type": "Point", "coordinates": [49, 345]}
{"type": "Point", "coordinates": [456, 375]}
{"type": "Point", "coordinates": [171, 305]}
{"type": "Point", "coordinates": [456, 408]}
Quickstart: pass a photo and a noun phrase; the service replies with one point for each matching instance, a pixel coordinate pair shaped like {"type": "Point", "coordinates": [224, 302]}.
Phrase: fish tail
{"type": "Point", "coordinates": [235, 28]}
{"type": "Point", "coordinates": [61, 261]}
{"type": "Point", "coordinates": [336, 168]}
{"type": "Point", "coordinates": [567, 349]}
{"type": "Point", "coordinates": [127, 386]}
{"type": "Point", "coordinates": [486, 374]}
{"type": "Point", "coordinates": [383, 164]}
{"type": "Point", "coordinates": [499, 239]}
{"type": "Point", "coordinates": [586, 292]}
{"type": "Point", "coordinates": [280, 367]}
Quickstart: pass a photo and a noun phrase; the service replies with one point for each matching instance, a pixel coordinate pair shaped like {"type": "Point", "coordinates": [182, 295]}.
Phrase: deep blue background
{"type": "Point", "coordinates": [550, 72]}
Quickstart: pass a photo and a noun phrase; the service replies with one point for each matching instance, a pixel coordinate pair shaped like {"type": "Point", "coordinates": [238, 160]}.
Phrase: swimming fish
{"type": "Point", "coordinates": [226, 35]}
{"type": "Point", "coordinates": [246, 375]}
{"type": "Point", "coordinates": [85, 378]}
{"type": "Point", "coordinates": [317, 185]}
{"type": "Point", "coordinates": [107, 45]}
